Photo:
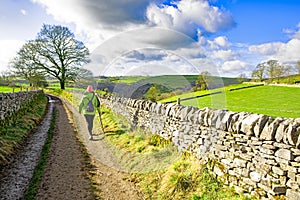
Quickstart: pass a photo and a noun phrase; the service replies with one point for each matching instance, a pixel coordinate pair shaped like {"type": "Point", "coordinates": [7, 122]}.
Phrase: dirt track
{"type": "Point", "coordinates": [66, 171]}
{"type": "Point", "coordinates": [108, 179]}
{"type": "Point", "coordinates": [69, 171]}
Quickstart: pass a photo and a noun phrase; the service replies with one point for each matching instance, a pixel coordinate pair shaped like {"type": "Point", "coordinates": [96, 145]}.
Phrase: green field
{"type": "Point", "coordinates": [270, 100]}
{"type": "Point", "coordinates": [67, 88]}
{"type": "Point", "coordinates": [7, 89]}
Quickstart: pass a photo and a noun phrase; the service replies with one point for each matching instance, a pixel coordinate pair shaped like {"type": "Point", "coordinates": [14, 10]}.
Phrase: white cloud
{"type": "Point", "coordinates": [293, 33]}
{"type": "Point", "coordinates": [289, 52]}
{"type": "Point", "coordinates": [211, 18]}
{"type": "Point", "coordinates": [284, 52]}
{"type": "Point", "coordinates": [8, 49]}
{"type": "Point", "coordinates": [190, 15]}
{"type": "Point", "coordinates": [113, 14]}
{"type": "Point", "coordinates": [225, 55]}
{"type": "Point", "coordinates": [267, 48]}
{"type": "Point", "coordinates": [23, 12]}
{"type": "Point", "coordinates": [234, 68]}
{"type": "Point", "coordinates": [222, 41]}
{"type": "Point", "coordinates": [297, 32]}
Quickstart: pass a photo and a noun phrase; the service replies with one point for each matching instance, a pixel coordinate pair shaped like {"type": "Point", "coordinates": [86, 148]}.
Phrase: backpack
{"type": "Point", "coordinates": [90, 105]}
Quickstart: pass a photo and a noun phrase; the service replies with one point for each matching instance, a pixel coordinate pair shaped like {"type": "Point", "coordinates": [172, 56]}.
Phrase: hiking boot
{"type": "Point", "coordinates": [91, 138]}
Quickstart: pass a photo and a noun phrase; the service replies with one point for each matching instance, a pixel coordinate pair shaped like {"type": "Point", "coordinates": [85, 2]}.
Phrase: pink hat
{"type": "Point", "coordinates": [89, 88]}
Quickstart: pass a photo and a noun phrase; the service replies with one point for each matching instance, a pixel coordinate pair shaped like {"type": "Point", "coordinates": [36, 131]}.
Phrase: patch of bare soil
{"type": "Point", "coordinates": [66, 173]}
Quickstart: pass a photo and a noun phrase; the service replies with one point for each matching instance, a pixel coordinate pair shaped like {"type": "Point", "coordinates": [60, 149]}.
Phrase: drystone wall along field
{"type": "Point", "coordinates": [254, 153]}
{"type": "Point", "coordinates": [14, 104]}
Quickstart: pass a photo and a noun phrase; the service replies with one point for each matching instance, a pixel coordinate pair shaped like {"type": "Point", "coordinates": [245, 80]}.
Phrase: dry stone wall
{"type": "Point", "coordinates": [254, 153]}
{"type": "Point", "coordinates": [12, 104]}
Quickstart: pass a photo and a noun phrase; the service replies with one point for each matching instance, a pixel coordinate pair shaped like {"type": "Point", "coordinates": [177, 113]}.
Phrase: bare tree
{"type": "Point", "coordinates": [272, 66]}
{"type": "Point", "coordinates": [276, 70]}
{"type": "Point", "coordinates": [23, 66]}
{"type": "Point", "coordinates": [56, 52]}
{"type": "Point", "coordinates": [259, 72]}
{"type": "Point", "coordinates": [241, 78]}
{"type": "Point", "coordinates": [271, 69]}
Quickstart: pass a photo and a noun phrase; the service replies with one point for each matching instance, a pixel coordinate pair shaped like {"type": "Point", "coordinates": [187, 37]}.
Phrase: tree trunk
{"type": "Point", "coordinates": [62, 85]}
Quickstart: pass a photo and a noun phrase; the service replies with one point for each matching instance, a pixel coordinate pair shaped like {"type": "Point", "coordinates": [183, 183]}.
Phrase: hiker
{"type": "Point", "coordinates": [89, 104]}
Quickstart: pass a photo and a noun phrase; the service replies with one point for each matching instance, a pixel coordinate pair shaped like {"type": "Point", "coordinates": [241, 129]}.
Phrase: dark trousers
{"type": "Point", "coordinates": [90, 120]}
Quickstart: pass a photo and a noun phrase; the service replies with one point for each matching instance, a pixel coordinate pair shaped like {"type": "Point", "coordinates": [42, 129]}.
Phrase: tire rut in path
{"type": "Point", "coordinates": [65, 174]}
{"type": "Point", "coordinates": [15, 177]}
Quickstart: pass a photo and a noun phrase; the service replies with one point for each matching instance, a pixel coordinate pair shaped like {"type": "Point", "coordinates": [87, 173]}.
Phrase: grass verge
{"type": "Point", "coordinates": [134, 140]}
{"type": "Point", "coordinates": [187, 179]}
{"type": "Point", "coordinates": [40, 168]}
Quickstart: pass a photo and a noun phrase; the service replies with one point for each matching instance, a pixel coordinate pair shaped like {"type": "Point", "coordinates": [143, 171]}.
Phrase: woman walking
{"type": "Point", "coordinates": [89, 104]}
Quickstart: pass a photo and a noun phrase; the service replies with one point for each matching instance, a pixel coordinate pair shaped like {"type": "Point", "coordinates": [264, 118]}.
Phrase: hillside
{"type": "Point", "coordinates": [139, 85]}
{"type": "Point", "coordinates": [270, 100]}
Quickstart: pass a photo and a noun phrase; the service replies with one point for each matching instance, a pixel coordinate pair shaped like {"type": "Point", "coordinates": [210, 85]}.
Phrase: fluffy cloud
{"type": "Point", "coordinates": [284, 52]}
{"type": "Point", "coordinates": [234, 67]}
{"type": "Point", "coordinates": [293, 33]}
{"type": "Point", "coordinates": [8, 48]}
{"type": "Point", "coordinates": [100, 12]}
{"type": "Point", "coordinates": [225, 55]}
{"type": "Point", "coordinates": [289, 52]}
{"type": "Point", "coordinates": [297, 33]}
{"type": "Point", "coordinates": [189, 15]}
{"type": "Point", "coordinates": [267, 48]}
{"type": "Point", "coordinates": [23, 12]}
{"type": "Point", "coordinates": [222, 41]}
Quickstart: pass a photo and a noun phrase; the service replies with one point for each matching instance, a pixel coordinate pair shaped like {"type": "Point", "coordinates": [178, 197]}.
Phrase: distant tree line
{"type": "Point", "coordinates": [272, 70]}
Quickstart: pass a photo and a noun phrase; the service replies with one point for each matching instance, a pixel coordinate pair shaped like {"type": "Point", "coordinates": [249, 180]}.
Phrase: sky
{"type": "Point", "coordinates": [156, 37]}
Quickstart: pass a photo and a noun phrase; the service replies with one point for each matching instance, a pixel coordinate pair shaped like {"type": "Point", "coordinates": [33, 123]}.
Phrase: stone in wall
{"type": "Point", "coordinates": [237, 120]}
{"type": "Point", "coordinates": [225, 122]}
{"type": "Point", "coordinates": [260, 124]}
{"type": "Point", "coordinates": [292, 195]}
{"type": "Point", "coordinates": [202, 113]}
{"type": "Point", "coordinates": [249, 123]}
{"type": "Point", "coordinates": [268, 132]}
{"type": "Point", "coordinates": [281, 130]}
{"type": "Point", "coordinates": [292, 133]}
{"type": "Point", "coordinates": [216, 118]}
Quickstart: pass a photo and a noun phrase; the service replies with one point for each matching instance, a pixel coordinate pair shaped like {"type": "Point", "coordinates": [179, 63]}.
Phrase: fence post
{"type": "Point", "coordinates": [178, 101]}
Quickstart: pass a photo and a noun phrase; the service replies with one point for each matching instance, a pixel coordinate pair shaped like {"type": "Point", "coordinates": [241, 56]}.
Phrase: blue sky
{"type": "Point", "coordinates": [262, 21]}
{"type": "Point", "coordinates": [151, 37]}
